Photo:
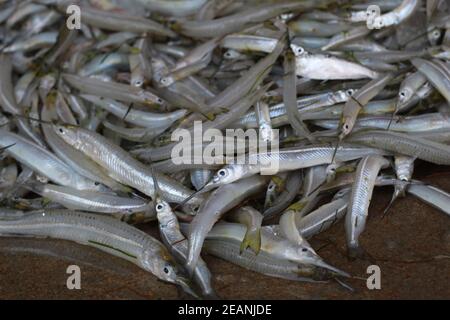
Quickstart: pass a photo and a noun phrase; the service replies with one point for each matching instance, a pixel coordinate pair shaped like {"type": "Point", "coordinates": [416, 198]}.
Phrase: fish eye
{"type": "Point", "coordinates": [304, 250]}
{"type": "Point", "coordinates": [166, 270]}
{"type": "Point", "coordinates": [61, 130]}
{"type": "Point", "coordinates": [96, 183]}
{"type": "Point", "coordinates": [350, 92]}
{"type": "Point", "coordinates": [222, 173]}
{"type": "Point", "coordinates": [402, 94]}
{"type": "Point", "coordinates": [159, 207]}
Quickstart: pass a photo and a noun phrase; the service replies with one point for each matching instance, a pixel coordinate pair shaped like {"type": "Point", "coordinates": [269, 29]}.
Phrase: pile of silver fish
{"type": "Point", "coordinates": [352, 93]}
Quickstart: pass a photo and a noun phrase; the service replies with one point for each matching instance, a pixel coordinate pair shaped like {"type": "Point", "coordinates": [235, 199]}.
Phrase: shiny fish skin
{"type": "Point", "coordinates": [229, 24]}
{"type": "Point", "coordinates": [290, 159]}
{"type": "Point", "coordinates": [421, 123]}
{"type": "Point", "coordinates": [360, 197]}
{"type": "Point", "coordinates": [176, 242]}
{"type": "Point", "coordinates": [437, 73]}
{"type": "Point", "coordinates": [322, 67]}
{"type": "Point", "coordinates": [431, 195]}
{"type": "Point", "coordinates": [427, 150]}
{"type": "Point", "coordinates": [285, 198]}
{"type": "Point", "coordinates": [120, 22]}
{"type": "Point", "coordinates": [136, 117]}
{"type": "Point", "coordinates": [120, 165]}
{"type": "Point", "coordinates": [8, 102]}
{"type": "Point", "coordinates": [104, 233]}
{"type": "Point", "coordinates": [275, 245]}
{"type": "Point", "coordinates": [92, 201]}
{"type": "Point", "coordinates": [262, 263]}
{"type": "Point", "coordinates": [290, 96]}
{"type": "Point", "coordinates": [396, 16]}
{"type": "Point", "coordinates": [41, 40]}
{"type": "Point", "coordinates": [325, 216]}
{"type": "Point", "coordinates": [361, 97]}
{"type": "Point", "coordinates": [277, 112]}
{"type": "Point", "coordinates": [243, 42]}
{"type": "Point", "coordinates": [218, 203]}
{"type": "Point", "coordinates": [76, 160]}
{"type": "Point", "coordinates": [112, 90]}
{"type": "Point", "coordinates": [43, 162]}
{"type": "Point", "coordinates": [251, 79]}
{"type": "Point", "coordinates": [175, 8]}
{"type": "Point", "coordinates": [104, 62]}
{"type": "Point", "coordinates": [200, 177]}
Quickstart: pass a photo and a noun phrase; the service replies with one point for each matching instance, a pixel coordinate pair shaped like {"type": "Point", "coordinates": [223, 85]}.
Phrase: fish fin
{"type": "Point", "coordinates": [251, 239]}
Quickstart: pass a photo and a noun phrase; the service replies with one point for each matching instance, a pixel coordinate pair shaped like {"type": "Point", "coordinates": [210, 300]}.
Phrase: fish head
{"type": "Point", "coordinates": [166, 81]}
{"type": "Point", "coordinates": [224, 176]}
{"type": "Point", "coordinates": [298, 50]}
{"type": "Point", "coordinates": [270, 194]}
{"type": "Point", "coordinates": [163, 210]}
{"type": "Point", "coordinates": [306, 252]}
{"type": "Point", "coordinates": [347, 124]}
{"type": "Point", "coordinates": [307, 256]}
{"type": "Point", "coordinates": [348, 93]}
{"type": "Point", "coordinates": [166, 269]}
{"type": "Point", "coordinates": [378, 23]}
{"type": "Point", "coordinates": [232, 55]}
{"type": "Point", "coordinates": [161, 264]}
{"type": "Point", "coordinates": [404, 95]}
{"type": "Point", "coordinates": [434, 36]}
{"type": "Point", "coordinates": [68, 133]}
{"type": "Point", "coordinates": [342, 193]}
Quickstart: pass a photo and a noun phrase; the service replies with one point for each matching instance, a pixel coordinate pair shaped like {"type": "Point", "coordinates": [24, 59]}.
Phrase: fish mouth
{"type": "Point", "coordinates": [187, 286]}
{"type": "Point", "coordinates": [335, 271]}
{"type": "Point", "coordinates": [207, 187]}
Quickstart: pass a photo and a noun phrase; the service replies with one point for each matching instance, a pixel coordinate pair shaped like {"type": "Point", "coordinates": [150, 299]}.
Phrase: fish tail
{"type": "Point", "coordinates": [355, 252]}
